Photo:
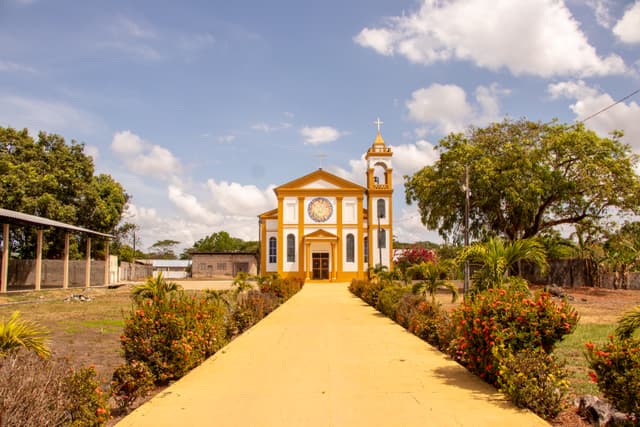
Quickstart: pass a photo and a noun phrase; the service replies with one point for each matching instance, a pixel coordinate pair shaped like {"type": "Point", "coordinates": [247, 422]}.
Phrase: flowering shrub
{"type": "Point", "coordinates": [130, 382]}
{"type": "Point", "coordinates": [367, 290]}
{"type": "Point", "coordinates": [535, 380]}
{"type": "Point", "coordinates": [88, 404]}
{"type": "Point", "coordinates": [414, 255]}
{"type": "Point", "coordinates": [389, 297]}
{"type": "Point", "coordinates": [512, 319]}
{"type": "Point", "coordinates": [281, 288]}
{"type": "Point", "coordinates": [174, 334]}
{"type": "Point", "coordinates": [250, 308]}
{"type": "Point", "coordinates": [616, 370]}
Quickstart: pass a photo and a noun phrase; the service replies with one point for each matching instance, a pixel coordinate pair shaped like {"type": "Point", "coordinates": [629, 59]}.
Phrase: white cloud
{"type": "Point", "coordinates": [37, 114]}
{"type": "Point", "coordinates": [267, 128]}
{"type": "Point", "coordinates": [232, 198]}
{"type": "Point", "coordinates": [226, 139]}
{"type": "Point", "coordinates": [537, 37]}
{"type": "Point", "coordinates": [144, 158]}
{"type": "Point", "coordinates": [601, 9]}
{"type": "Point", "coordinates": [194, 42]}
{"type": "Point", "coordinates": [445, 107]}
{"type": "Point", "coordinates": [589, 100]}
{"type": "Point", "coordinates": [189, 205]}
{"type": "Point", "coordinates": [409, 158]}
{"type": "Point", "coordinates": [407, 227]}
{"type": "Point", "coordinates": [126, 26]}
{"type": "Point", "coordinates": [92, 151]}
{"type": "Point", "coordinates": [320, 134]}
{"type": "Point", "coordinates": [628, 28]}
{"type": "Point", "coordinates": [14, 67]}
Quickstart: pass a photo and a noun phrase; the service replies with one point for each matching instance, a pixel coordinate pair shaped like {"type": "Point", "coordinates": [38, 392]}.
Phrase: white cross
{"type": "Point", "coordinates": [322, 156]}
{"type": "Point", "coordinates": [378, 122]}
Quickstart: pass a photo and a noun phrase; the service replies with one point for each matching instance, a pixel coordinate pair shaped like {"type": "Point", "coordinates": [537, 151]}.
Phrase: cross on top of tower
{"type": "Point", "coordinates": [378, 122]}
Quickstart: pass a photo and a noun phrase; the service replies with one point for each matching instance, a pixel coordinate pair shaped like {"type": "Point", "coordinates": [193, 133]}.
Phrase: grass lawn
{"type": "Point", "coordinates": [571, 349]}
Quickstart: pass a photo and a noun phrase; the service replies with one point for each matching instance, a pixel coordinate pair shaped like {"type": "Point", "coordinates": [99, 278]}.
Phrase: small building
{"type": "Point", "coordinates": [171, 268]}
{"type": "Point", "coordinates": [222, 265]}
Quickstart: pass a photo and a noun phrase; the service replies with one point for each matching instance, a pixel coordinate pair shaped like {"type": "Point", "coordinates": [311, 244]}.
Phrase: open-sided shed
{"type": "Point", "coordinates": [9, 217]}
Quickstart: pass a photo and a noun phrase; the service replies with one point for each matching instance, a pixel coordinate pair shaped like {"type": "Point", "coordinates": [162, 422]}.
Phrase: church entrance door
{"type": "Point", "coordinates": [320, 264]}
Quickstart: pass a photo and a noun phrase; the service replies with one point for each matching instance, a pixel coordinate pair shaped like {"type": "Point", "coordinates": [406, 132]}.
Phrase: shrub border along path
{"type": "Point", "coordinates": [325, 358]}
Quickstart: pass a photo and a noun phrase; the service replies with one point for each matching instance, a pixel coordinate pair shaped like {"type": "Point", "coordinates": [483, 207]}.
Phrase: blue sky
{"type": "Point", "coordinates": [200, 108]}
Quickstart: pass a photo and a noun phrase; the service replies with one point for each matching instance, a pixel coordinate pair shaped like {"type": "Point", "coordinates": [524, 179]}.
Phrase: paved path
{"type": "Point", "coordinates": [325, 358]}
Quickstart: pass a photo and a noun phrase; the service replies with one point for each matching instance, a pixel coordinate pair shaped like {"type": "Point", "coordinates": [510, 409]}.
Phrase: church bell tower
{"type": "Point", "coordinates": [379, 240]}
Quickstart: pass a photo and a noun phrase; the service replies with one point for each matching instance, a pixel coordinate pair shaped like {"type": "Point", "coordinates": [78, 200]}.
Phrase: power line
{"type": "Point", "coordinates": [609, 106]}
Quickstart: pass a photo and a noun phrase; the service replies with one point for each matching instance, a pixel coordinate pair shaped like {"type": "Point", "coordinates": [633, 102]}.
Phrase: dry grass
{"type": "Point", "coordinates": [86, 333]}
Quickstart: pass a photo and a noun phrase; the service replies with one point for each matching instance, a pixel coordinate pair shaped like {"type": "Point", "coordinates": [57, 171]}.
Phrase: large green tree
{"type": "Point", "coordinates": [524, 177]}
{"type": "Point", "coordinates": [221, 241]}
{"type": "Point", "coordinates": [50, 178]}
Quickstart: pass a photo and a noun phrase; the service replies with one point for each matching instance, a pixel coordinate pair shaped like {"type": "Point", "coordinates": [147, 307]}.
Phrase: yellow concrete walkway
{"type": "Point", "coordinates": [325, 358]}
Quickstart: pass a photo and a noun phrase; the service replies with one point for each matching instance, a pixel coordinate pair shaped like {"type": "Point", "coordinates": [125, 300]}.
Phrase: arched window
{"type": "Point", "coordinates": [381, 208]}
{"type": "Point", "coordinates": [365, 256]}
{"type": "Point", "coordinates": [351, 248]}
{"type": "Point", "coordinates": [273, 250]}
{"type": "Point", "coordinates": [382, 238]}
{"type": "Point", "coordinates": [291, 248]}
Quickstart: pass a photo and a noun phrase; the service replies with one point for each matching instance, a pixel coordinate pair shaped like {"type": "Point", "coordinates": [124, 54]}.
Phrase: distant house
{"type": "Point", "coordinates": [222, 265]}
{"type": "Point", "coordinates": [171, 268]}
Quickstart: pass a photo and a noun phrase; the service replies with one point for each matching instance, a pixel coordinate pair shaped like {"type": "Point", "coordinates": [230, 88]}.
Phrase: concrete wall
{"type": "Point", "coordinates": [129, 272]}
{"type": "Point", "coordinates": [211, 266]}
{"type": "Point", "coordinates": [22, 273]}
{"type": "Point", "coordinates": [576, 272]}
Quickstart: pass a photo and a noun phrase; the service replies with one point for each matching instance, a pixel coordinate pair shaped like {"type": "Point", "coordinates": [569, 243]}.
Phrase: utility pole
{"type": "Point", "coordinates": [466, 226]}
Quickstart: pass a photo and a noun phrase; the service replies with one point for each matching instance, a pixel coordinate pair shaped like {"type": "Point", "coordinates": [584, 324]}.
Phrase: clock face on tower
{"type": "Point", "coordinates": [320, 209]}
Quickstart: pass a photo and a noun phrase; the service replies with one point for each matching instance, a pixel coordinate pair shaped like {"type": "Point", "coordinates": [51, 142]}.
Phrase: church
{"type": "Point", "coordinates": [327, 228]}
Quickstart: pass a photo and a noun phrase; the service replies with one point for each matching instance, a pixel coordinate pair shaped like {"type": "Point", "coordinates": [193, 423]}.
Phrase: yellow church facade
{"type": "Point", "coordinates": [327, 228]}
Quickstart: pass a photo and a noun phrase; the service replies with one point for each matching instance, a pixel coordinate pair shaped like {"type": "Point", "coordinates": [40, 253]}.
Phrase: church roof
{"type": "Point", "coordinates": [319, 179]}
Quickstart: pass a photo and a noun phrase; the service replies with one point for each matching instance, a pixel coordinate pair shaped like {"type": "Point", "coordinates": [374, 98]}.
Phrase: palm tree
{"type": "Point", "coordinates": [629, 323]}
{"type": "Point", "coordinates": [18, 333]}
{"type": "Point", "coordinates": [154, 287]}
{"type": "Point", "coordinates": [497, 259]}
{"type": "Point", "coordinates": [380, 274]}
{"type": "Point", "coordinates": [433, 277]}
{"type": "Point", "coordinates": [241, 282]}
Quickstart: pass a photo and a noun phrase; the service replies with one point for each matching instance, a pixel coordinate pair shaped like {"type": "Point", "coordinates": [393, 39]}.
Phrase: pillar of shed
{"type": "Point", "coordinates": [39, 259]}
{"type": "Point", "coordinates": [107, 262]}
{"type": "Point", "coordinates": [87, 271]}
{"type": "Point", "coordinates": [4, 273]}
{"type": "Point", "coordinates": [65, 263]}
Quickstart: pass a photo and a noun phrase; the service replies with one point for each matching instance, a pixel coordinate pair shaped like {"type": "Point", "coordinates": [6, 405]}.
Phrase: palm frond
{"type": "Point", "coordinates": [629, 323]}
{"type": "Point", "coordinates": [18, 333]}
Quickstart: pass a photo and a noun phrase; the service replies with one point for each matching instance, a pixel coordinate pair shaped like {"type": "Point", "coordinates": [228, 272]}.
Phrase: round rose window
{"type": "Point", "coordinates": [320, 209]}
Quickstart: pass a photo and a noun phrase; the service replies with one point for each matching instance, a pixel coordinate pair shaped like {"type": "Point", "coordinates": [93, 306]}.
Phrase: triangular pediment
{"type": "Point", "coordinates": [272, 214]}
{"type": "Point", "coordinates": [319, 183]}
{"type": "Point", "coordinates": [320, 234]}
{"type": "Point", "coordinates": [319, 179]}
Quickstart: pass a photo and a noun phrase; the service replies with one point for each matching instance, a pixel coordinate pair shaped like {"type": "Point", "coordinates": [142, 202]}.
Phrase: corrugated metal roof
{"type": "Point", "coordinates": [176, 263]}
{"type": "Point", "coordinates": [14, 217]}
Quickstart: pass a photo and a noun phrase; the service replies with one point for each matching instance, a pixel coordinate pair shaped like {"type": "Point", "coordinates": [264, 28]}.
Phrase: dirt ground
{"type": "Point", "coordinates": [598, 305]}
